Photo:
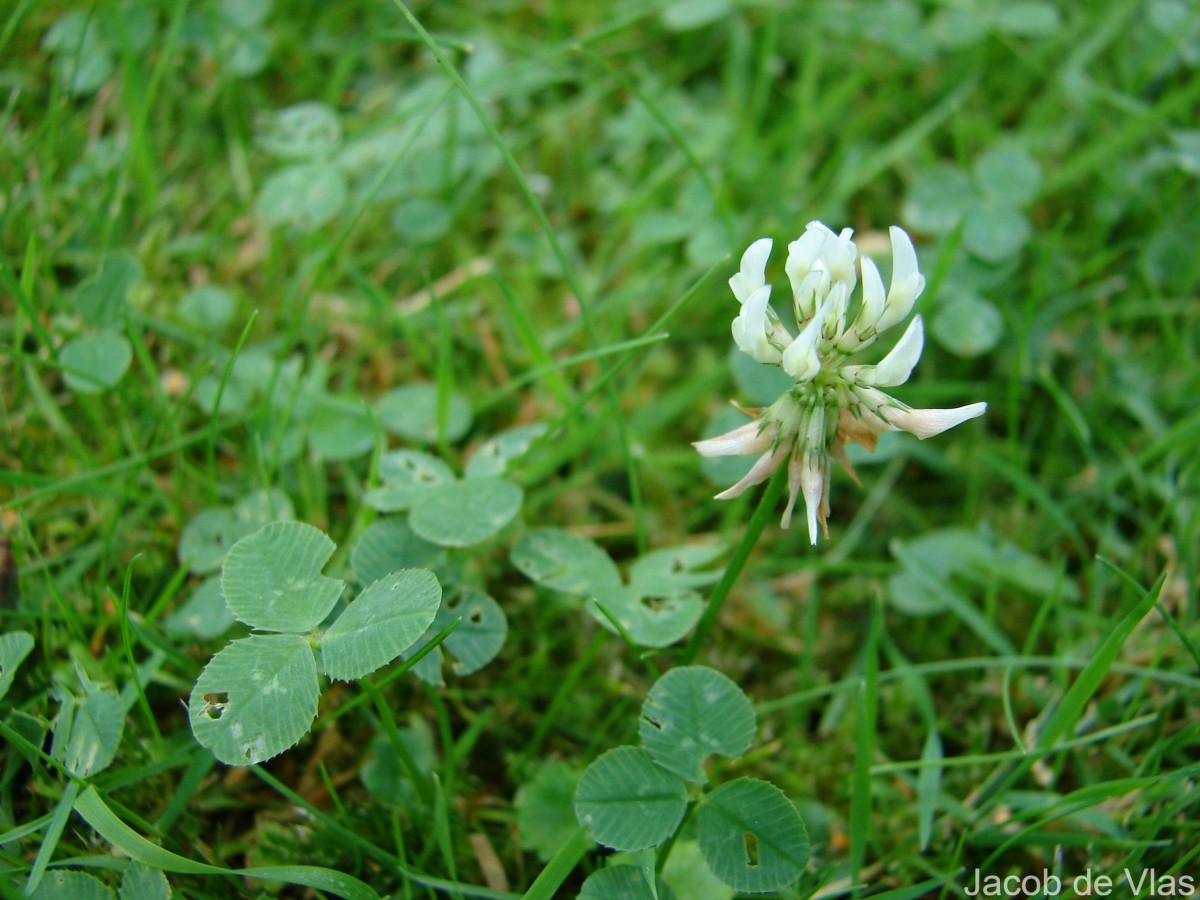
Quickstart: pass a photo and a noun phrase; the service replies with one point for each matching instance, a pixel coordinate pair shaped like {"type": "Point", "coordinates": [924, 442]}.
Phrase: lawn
{"type": "Point", "coordinates": [352, 535]}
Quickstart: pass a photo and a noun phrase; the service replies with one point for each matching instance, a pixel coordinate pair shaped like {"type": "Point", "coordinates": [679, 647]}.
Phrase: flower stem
{"type": "Point", "coordinates": [766, 509]}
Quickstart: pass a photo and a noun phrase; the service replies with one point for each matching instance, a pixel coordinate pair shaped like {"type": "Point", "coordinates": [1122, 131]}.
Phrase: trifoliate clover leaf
{"type": "Point", "coordinates": [407, 475]}
{"type": "Point", "coordinates": [494, 455]}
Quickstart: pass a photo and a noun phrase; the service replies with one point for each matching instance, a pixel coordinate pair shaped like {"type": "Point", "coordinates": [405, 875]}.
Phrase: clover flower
{"type": "Point", "coordinates": [832, 403]}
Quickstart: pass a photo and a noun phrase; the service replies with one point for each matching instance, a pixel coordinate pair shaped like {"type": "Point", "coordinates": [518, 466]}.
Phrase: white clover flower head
{"type": "Point", "coordinates": [832, 403]}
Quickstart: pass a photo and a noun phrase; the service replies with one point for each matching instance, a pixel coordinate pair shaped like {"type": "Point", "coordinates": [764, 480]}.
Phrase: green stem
{"type": "Point", "coordinates": [766, 509]}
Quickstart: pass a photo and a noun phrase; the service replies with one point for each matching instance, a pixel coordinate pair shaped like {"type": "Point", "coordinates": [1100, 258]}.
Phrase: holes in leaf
{"type": "Point", "coordinates": [475, 616]}
{"type": "Point", "coordinates": [655, 604]}
{"type": "Point", "coordinates": [215, 704]}
{"type": "Point", "coordinates": [655, 723]}
{"type": "Point", "coordinates": [750, 845]}
{"type": "Point", "coordinates": [255, 748]}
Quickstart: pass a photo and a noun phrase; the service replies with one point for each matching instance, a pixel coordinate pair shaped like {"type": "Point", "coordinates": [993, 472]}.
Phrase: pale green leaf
{"type": "Point", "coordinates": [340, 429]}
{"type": "Point", "coordinates": [661, 573]}
{"type": "Point", "coordinates": [93, 363]}
{"type": "Point", "coordinates": [462, 513]}
{"type": "Point", "coordinates": [627, 802]}
{"type": "Point", "coordinates": [689, 876]}
{"type": "Point", "coordinates": [208, 536]}
{"type": "Point", "coordinates": [208, 308]}
{"type": "Point", "coordinates": [407, 475]}
{"type": "Point", "coordinates": [691, 713]}
{"type": "Point", "coordinates": [308, 130]}
{"type": "Point", "coordinates": [422, 220]}
{"type": "Point", "coordinates": [623, 882]}
{"type": "Point", "coordinates": [102, 299]}
{"type": "Point", "coordinates": [256, 698]}
{"type": "Point", "coordinates": [752, 837]}
{"type": "Point", "coordinates": [140, 882]}
{"type": "Point", "coordinates": [1009, 174]}
{"type": "Point", "coordinates": [412, 412]}
{"type": "Point", "coordinates": [995, 231]}
{"type": "Point", "coordinates": [389, 545]}
{"type": "Point", "coordinates": [758, 384]}
{"type": "Point", "coordinates": [474, 643]}
{"type": "Point", "coordinates": [493, 456]}
{"type": "Point", "coordinates": [61, 884]}
{"type": "Point", "coordinates": [272, 579]}
{"type": "Point", "coordinates": [88, 733]}
{"type": "Point", "coordinates": [968, 326]}
{"type": "Point", "coordinates": [205, 614]}
{"type": "Point", "coordinates": [304, 196]}
{"type": "Point", "coordinates": [386, 777]}
{"type": "Point", "coordinates": [384, 621]}
{"type": "Point", "coordinates": [939, 200]}
{"type": "Point", "coordinates": [14, 647]}
{"type": "Point", "coordinates": [563, 561]}
{"type": "Point", "coordinates": [649, 621]}
{"type": "Point", "coordinates": [546, 808]}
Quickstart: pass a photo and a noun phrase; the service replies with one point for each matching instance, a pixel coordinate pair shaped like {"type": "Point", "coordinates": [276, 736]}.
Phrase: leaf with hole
{"type": "Point", "coordinates": [474, 643]}
{"type": "Point", "coordinates": [14, 647]}
{"type": "Point", "coordinates": [623, 882]}
{"type": "Point", "coordinates": [411, 412]}
{"type": "Point", "coordinates": [256, 698]}
{"type": "Point", "coordinates": [93, 363]}
{"type": "Point", "coordinates": [649, 621]}
{"type": "Point", "coordinates": [691, 713]}
{"type": "Point", "coordinates": [389, 545]}
{"type": "Point", "coordinates": [272, 579]}
{"type": "Point", "coordinates": [752, 837]}
{"type": "Point", "coordinates": [384, 621]}
{"type": "Point", "coordinates": [88, 732]}
{"type": "Point", "coordinates": [563, 561]}
{"type": "Point", "coordinates": [627, 802]}
{"type": "Point", "coordinates": [406, 476]}
{"type": "Point", "coordinates": [462, 513]}
{"type": "Point", "coordinates": [493, 456]}
{"type": "Point", "coordinates": [661, 573]}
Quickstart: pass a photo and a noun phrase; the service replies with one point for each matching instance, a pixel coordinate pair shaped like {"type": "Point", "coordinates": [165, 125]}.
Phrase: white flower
{"type": "Point", "coordinates": [831, 404]}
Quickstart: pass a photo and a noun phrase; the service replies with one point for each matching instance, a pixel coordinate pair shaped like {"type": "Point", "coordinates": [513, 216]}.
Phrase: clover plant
{"type": "Point", "coordinates": [635, 798]}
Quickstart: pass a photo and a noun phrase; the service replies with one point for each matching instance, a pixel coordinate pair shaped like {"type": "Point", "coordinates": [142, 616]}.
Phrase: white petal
{"type": "Point", "coordinates": [762, 469]}
{"type": "Point", "coordinates": [812, 483]}
{"type": "Point", "coordinates": [753, 270]}
{"type": "Point", "coordinates": [793, 491]}
{"type": "Point", "coordinates": [873, 297]}
{"type": "Point", "coordinates": [907, 281]}
{"type": "Point", "coordinates": [800, 359]}
{"type": "Point", "coordinates": [752, 327]}
{"type": "Point", "coordinates": [925, 423]}
{"type": "Point", "coordinates": [745, 440]}
{"type": "Point", "coordinates": [895, 368]}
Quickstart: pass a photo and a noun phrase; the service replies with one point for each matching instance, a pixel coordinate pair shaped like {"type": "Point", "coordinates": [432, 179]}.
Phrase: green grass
{"type": "Point", "coordinates": [538, 194]}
